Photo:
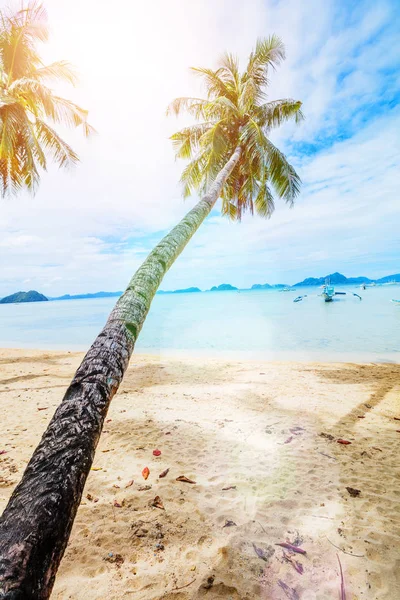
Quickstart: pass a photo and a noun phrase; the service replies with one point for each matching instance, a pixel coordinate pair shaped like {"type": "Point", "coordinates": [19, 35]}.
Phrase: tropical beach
{"type": "Point", "coordinates": [200, 400]}
{"type": "Point", "coordinates": [260, 441]}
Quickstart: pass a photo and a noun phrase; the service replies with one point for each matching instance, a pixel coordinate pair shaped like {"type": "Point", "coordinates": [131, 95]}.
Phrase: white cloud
{"type": "Point", "coordinates": [89, 229]}
{"type": "Point", "coordinates": [348, 217]}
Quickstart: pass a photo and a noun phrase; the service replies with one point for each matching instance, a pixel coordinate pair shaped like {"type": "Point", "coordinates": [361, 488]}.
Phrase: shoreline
{"type": "Point", "coordinates": [260, 440]}
{"type": "Point", "coordinates": [224, 355]}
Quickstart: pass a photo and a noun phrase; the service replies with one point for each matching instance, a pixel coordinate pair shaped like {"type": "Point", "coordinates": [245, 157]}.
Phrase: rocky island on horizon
{"type": "Point", "coordinates": [334, 278]}
{"type": "Point", "coordinates": [339, 279]}
{"type": "Point", "coordinates": [18, 297]}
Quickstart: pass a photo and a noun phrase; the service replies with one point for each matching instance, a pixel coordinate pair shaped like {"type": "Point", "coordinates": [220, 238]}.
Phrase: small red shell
{"type": "Point", "coordinates": [345, 442]}
{"type": "Point", "coordinates": [156, 452]}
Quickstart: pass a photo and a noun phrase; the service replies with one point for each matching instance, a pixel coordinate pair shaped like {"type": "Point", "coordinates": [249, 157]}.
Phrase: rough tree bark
{"type": "Point", "coordinates": [36, 524]}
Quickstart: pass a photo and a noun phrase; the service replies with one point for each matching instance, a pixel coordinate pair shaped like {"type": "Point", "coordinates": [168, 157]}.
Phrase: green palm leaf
{"type": "Point", "coordinates": [193, 106]}
{"type": "Point", "coordinates": [214, 83]}
{"type": "Point", "coordinates": [235, 114]}
{"type": "Point", "coordinates": [281, 174]}
{"type": "Point", "coordinates": [187, 141]}
{"type": "Point", "coordinates": [273, 114]}
{"type": "Point", "coordinates": [229, 71]}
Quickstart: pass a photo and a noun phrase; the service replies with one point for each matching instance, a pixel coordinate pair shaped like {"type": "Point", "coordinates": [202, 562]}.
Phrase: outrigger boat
{"type": "Point", "coordinates": [299, 298]}
{"type": "Point", "coordinates": [328, 293]}
{"type": "Point", "coordinates": [396, 301]}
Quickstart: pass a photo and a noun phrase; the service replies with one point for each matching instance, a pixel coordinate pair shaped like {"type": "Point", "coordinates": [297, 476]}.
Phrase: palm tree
{"type": "Point", "coordinates": [236, 124]}
{"type": "Point", "coordinates": [232, 158]}
{"type": "Point", "coordinates": [27, 104]}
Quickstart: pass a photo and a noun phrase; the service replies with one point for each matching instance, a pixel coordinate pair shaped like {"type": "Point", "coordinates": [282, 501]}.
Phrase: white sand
{"type": "Point", "coordinates": [224, 424]}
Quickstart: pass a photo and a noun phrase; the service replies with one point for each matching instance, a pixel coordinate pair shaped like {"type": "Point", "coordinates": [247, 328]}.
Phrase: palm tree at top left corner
{"type": "Point", "coordinates": [29, 108]}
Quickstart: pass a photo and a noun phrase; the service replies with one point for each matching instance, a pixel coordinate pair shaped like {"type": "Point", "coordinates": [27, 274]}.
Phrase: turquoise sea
{"type": "Point", "coordinates": [248, 324]}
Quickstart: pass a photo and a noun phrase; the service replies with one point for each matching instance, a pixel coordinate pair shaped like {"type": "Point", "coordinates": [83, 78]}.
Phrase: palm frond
{"type": "Point", "coordinates": [88, 129]}
{"type": "Point", "coordinates": [18, 35]}
{"type": "Point", "coordinates": [40, 100]}
{"type": "Point", "coordinates": [67, 112]}
{"type": "Point", "coordinates": [25, 158]}
{"type": "Point", "coordinates": [269, 52]}
{"type": "Point", "coordinates": [222, 106]}
{"type": "Point", "coordinates": [60, 151]}
{"type": "Point", "coordinates": [9, 128]}
{"type": "Point", "coordinates": [215, 138]}
{"type": "Point", "coordinates": [214, 83]}
{"type": "Point", "coordinates": [250, 95]}
{"type": "Point", "coordinates": [282, 175]}
{"type": "Point", "coordinates": [264, 202]}
{"type": "Point", "coordinates": [252, 135]}
{"type": "Point", "coordinates": [187, 140]}
{"type": "Point", "coordinates": [237, 115]}
{"type": "Point", "coordinates": [33, 20]}
{"type": "Point", "coordinates": [229, 210]}
{"type": "Point", "coordinates": [33, 145]}
{"type": "Point", "coordinates": [60, 70]}
{"type": "Point", "coordinates": [229, 69]}
{"type": "Point", "coordinates": [193, 106]}
{"type": "Point", "coordinates": [192, 175]}
{"type": "Point", "coordinates": [18, 153]}
{"type": "Point", "coordinates": [215, 143]}
{"type": "Point", "coordinates": [27, 104]}
{"type": "Point", "coordinates": [273, 114]}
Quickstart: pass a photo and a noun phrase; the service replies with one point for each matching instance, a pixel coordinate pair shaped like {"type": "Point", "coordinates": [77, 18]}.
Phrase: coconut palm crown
{"type": "Point", "coordinates": [28, 105]}
{"type": "Point", "coordinates": [237, 113]}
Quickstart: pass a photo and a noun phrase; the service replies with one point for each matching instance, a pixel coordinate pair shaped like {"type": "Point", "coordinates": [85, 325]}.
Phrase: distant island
{"type": "Point", "coordinates": [224, 287]}
{"type": "Point", "coordinates": [84, 296]}
{"type": "Point", "coordinates": [18, 297]}
{"type": "Point", "coordinates": [190, 290]}
{"type": "Point", "coordinates": [118, 294]}
{"type": "Point", "coordinates": [334, 278]}
{"type": "Point", "coordinates": [267, 286]}
{"type": "Point", "coordinates": [339, 279]}
{"type": "Point", "coordinates": [261, 286]}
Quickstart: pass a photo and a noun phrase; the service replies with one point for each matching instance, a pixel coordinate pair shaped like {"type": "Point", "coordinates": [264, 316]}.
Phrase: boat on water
{"type": "Point", "coordinates": [396, 301]}
{"type": "Point", "coordinates": [328, 292]}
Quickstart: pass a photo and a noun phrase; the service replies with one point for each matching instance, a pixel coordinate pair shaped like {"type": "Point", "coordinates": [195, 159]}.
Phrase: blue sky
{"type": "Point", "coordinates": [90, 228]}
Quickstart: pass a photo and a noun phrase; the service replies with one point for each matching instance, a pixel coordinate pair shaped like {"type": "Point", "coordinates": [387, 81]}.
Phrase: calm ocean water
{"type": "Point", "coordinates": [265, 324]}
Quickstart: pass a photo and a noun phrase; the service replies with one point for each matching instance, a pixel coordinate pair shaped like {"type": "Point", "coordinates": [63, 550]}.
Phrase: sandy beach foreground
{"type": "Point", "coordinates": [260, 441]}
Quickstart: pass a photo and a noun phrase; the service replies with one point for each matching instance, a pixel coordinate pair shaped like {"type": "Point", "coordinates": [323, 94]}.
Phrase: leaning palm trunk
{"type": "Point", "coordinates": [36, 524]}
